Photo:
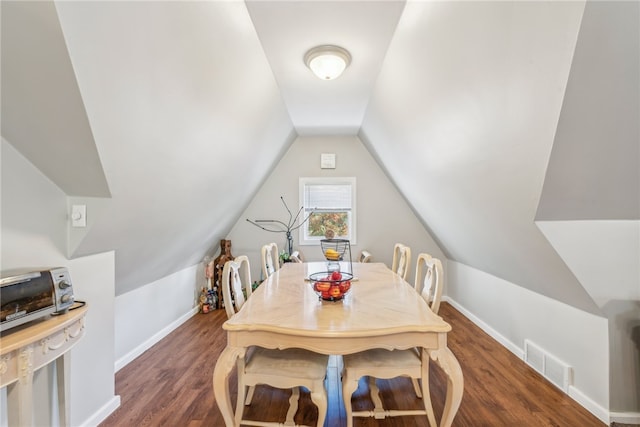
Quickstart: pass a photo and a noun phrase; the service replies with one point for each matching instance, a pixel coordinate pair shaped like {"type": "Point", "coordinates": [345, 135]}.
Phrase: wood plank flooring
{"type": "Point", "coordinates": [171, 385]}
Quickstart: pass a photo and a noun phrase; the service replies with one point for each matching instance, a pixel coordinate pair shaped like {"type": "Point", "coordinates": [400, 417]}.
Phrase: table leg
{"type": "Point", "coordinates": [224, 365]}
{"type": "Point", "coordinates": [455, 383]}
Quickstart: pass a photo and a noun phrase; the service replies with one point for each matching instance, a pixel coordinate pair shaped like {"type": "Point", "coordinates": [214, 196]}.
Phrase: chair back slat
{"type": "Point", "coordinates": [296, 256]}
{"type": "Point", "coordinates": [365, 256]}
{"type": "Point", "coordinates": [270, 261]}
{"type": "Point", "coordinates": [429, 280]}
{"type": "Point", "coordinates": [236, 277]}
{"type": "Point", "coordinates": [401, 260]}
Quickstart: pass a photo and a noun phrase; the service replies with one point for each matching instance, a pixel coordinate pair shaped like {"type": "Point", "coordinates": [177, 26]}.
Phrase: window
{"type": "Point", "coordinates": [330, 204]}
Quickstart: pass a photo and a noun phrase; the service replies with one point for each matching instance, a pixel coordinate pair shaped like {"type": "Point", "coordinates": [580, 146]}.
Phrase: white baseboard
{"type": "Point", "coordinates": [124, 360]}
{"type": "Point", "coordinates": [102, 413]}
{"type": "Point", "coordinates": [625, 417]}
{"type": "Point", "coordinates": [488, 329]}
{"type": "Point", "coordinates": [598, 411]}
{"type": "Point", "coordinates": [601, 413]}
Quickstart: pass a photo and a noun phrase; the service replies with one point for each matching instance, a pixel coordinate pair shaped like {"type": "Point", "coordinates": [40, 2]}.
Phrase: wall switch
{"type": "Point", "coordinates": [79, 215]}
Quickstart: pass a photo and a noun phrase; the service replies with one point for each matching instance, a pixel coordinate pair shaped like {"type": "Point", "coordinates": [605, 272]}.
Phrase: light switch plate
{"type": "Point", "coordinates": [79, 215]}
{"type": "Point", "coordinates": [327, 161]}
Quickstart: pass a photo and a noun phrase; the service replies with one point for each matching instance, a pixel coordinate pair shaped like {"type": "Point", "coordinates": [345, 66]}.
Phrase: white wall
{"type": "Point", "coordinates": [92, 360]}
{"type": "Point", "coordinates": [383, 216]}
{"type": "Point", "coordinates": [604, 255]}
{"type": "Point", "coordinates": [512, 314]}
{"type": "Point", "coordinates": [155, 309]}
{"type": "Point", "coordinates": [34, 229]}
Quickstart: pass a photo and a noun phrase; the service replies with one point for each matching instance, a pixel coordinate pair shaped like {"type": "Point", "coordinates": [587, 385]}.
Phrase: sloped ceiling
{"type": "Point", "coordinates": [463, 117]}
{"type": "Point", "coordinates": [593, 220]}
{"type": "Point", "coordinates": [599, 128]}
{"type": "Point", "coordinates": [42, 109]}
{"type": "Point", "coordinates": [179, 98]}
{"type": "Point", "coordinates": [458, 101]}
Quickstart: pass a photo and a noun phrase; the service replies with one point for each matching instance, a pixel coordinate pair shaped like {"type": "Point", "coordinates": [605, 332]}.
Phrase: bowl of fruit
{"type": "Point", "coordinates": [334, 249]}
{"type": "Point", "coordinates": [331, 286]}
{"type": "Point", "coordinates": [332, 255]}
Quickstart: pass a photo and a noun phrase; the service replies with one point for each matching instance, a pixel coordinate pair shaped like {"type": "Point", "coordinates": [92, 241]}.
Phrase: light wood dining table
{"type": "Point", "coordinates": [380, 311]}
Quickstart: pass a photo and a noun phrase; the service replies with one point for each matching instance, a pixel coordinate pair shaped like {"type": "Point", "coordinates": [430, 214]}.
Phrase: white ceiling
{"type": "Point", "coordinates": [458, 101]}
{"type": "Point", "coordinates": [287, 30]}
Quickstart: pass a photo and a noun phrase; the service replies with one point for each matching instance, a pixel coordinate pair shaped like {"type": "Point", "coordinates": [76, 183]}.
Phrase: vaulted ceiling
{"type": "Point", "coordinates": [147, 105]}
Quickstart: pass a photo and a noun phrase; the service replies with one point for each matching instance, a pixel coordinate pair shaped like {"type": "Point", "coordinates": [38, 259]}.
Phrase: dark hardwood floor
{"type": "Point", "coordinates": [171, 385]}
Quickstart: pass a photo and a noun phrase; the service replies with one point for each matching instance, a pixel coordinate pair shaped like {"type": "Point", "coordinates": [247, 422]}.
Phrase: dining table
{"type": "Point", "coordinates": [381, 310]}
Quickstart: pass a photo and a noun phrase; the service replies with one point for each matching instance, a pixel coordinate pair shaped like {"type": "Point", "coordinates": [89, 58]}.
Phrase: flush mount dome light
{"type": "Point", "coordinates": [327, 62]}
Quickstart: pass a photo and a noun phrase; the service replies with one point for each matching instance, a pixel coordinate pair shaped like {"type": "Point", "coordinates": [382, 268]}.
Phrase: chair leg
{"type": "Point", "coordinates": [247, 401]}
{"type": "Point", "coordinates": [293, 406]}
{"type": "Point", "coordinates": [426, 393]}
{"type": "Point", "coordinates": [319, 397]}
{"type": "Point", "coordinates": [349, 386]}
{"type": "Point", "coordinates": [416, 387]}
{"type": "Point", "coordinates": [378, 408]}
{"type": "Point", "coordinates": [242, 389]}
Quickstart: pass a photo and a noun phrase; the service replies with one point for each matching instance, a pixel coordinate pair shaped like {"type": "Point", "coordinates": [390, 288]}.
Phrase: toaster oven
{"type": "Point", "coordinates": [29, 295]}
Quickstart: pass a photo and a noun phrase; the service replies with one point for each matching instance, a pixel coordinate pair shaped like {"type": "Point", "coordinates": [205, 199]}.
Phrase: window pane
{"type": "Point", "coordinates": [329, 203]}
{"type": "Point", "coordinates": [320, 222]}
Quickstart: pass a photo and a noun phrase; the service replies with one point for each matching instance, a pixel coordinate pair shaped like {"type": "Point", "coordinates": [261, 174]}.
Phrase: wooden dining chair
{"type": "Point", "coordinates": [296, 256]}
{"type": "Point", "coordinates": [429, 288]}
{"type": "Point", "coordinates": [236, 284]}
{"type": "Point", "coordinates": [401, 260]}
{"type": "Point", "coordinates": [286, 369]}
{"type": "Point", "coordinates": [428, 281]}
{"type": "Point", "coordinates": [270, 259]}
{"type": "Point", "coordinates": [382, 363]}
{"type": "Point", "coordinates": [365, 256]}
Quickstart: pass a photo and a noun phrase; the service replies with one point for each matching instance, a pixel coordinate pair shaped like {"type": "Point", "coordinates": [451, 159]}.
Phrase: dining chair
{"type": "Point", "coordinates": [236, 284]}
{"type": "Point", "coordinates": [365, 256]}
{"type": "Point", "coordinates": [429, 280]}
{"type": "Point", "coordinates": [382, 363]}
{"type": "Point", "coordinates": [401, 260]}
{"type": "Point", "coordinates": [284, 369]}
{"type": "Point", "coordinates": [426, 285]}
{"type": "Point", "coordinates": [296, 256]}
{"type": "Point", "coordinates": [270, 259]}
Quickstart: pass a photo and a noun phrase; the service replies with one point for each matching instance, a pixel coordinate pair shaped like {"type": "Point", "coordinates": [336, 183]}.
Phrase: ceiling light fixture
{"type": "Point", "coordinates": [327, 62]}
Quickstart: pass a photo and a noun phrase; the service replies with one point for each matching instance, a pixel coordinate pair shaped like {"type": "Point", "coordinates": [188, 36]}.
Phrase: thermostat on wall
{"type": "Point", "coordinates": [327, 161]}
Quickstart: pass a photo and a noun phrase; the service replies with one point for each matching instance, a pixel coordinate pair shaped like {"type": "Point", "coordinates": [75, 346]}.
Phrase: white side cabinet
{"type": "Point", "coordinates": [31, 347]}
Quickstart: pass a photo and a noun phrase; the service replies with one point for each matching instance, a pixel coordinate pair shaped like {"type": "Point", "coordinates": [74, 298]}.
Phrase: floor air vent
{"type": "Point", "coordinates": [556, 371]}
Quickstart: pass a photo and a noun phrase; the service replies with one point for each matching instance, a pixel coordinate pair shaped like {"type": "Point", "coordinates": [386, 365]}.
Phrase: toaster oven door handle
{"type": "Point", "coordinates": [8, 281]}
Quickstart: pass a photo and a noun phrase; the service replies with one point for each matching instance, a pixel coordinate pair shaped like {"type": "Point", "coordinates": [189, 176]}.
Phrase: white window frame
{"type": "Point", "coordinates": [303, 238]}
